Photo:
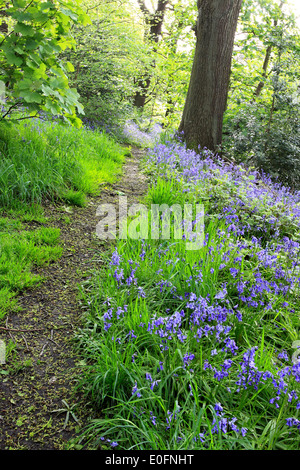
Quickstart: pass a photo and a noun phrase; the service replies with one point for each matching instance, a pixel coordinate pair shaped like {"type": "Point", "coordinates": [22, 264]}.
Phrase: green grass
{"type": "Point", "coordinates": [42, 160]}
{"type": "Point", "coordinates": [123, 347]}
{"type": "Point", "coordinates": [20, 251]}
{"type": "Point", "coordinates": [75, 198]}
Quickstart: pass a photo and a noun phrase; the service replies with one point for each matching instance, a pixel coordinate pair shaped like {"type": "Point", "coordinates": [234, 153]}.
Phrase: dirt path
{"type": "Point", "coordinates": [41, 369]}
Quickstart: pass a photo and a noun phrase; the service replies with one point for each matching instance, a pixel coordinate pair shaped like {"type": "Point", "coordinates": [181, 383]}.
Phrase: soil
{"type": "Point", "coordinates": [40, 408]}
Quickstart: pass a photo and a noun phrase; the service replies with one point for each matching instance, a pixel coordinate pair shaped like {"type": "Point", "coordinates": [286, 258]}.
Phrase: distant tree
{"type": "Point", "coordinates": [108, 53]}
{"type": "Point", "coordinates": [205, 104]}
{"type": "Point", "coordinates": [154, 23]}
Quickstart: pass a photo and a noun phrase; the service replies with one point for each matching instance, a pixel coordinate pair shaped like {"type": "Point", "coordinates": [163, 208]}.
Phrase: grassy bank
{"type": "Point", "coordinates": [198, 349]}
{"type": "Point", "coordinates": [44, 162]}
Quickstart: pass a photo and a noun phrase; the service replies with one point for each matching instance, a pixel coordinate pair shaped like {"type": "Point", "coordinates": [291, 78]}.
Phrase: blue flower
{"type": "Point", "coordinates": [115, 259]}
{"type": "Point", "coordinates": [222, 294]}
{"type": "Point", "coordinates": [187, 358]}
{"type": "Point", "coordinates": [218, 408]}
{"type": "Point", "coordinates": [153, 418]}
{"type": "Point", "coordinates": [135, 390]}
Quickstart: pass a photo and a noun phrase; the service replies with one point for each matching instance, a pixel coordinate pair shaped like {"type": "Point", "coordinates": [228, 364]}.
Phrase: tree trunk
{"type": "Point", "coordinates": [3, 25]}
{"type": "Point", "coordinates": [141, 94]}
{"type": "Point", "coordinates": [266, 61]}
{"type": "Point", "coordinates": [202, 118]}
{"type": "Point", "coordinates": [265, 68]}
{"type": "Point", "coordinates": [155, 23]}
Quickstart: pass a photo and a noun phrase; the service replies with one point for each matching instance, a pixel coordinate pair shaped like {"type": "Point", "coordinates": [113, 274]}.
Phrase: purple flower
{"type": "Point", "coordinates": [154, 384]}
{"type": "Point", "coordinates": [218, 408]}
{"type": "Point", "coordinates": [141, 292]}
{"type": "Point", "coordinates": [119, 275]}
{"type": "Point", "coordinates": [293, 422]}
{"type": "Point", "coordinates": [283, 355]}
{"type": "Point", "coordinates": [222, 294]}
{"type": "Point", "coordinates": [115, 259]}
{"type": "Point", "coordinates": [234, 271]}
{"type": "Point", "coordinates": [153, 418]}
{"type": "Point", "coordinates": [136, 391]}
{"type": "Point", "coordinates": [187, 358]}
{"type": "Point", "coordinates": [220, 425]}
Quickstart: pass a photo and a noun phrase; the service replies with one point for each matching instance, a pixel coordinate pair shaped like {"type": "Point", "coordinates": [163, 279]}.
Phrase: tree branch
{"type": "Point", "coordinates": [143, 8]}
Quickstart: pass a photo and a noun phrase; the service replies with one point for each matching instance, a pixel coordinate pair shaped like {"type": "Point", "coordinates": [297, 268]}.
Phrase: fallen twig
{"type": "Point", "coordinates": [27, 348]}
{"type": "Point", "coordinates": [42, 351]}
{"type": "Point", "coordinates": [19, 330]}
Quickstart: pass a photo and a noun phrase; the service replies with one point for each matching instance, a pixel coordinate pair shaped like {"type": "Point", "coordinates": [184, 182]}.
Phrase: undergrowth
{"type": "Point", "coordinates": [198, 349]}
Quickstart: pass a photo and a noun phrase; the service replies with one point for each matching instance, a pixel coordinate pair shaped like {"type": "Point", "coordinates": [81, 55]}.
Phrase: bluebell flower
{"type": "Point", "coordinates": [218, 408]}
{"type": "Point", "coordinates": [187, 358]}
{"type": "Point", "coordinates": [153, 418]}
{"type": "Point", "coordinates": [283, 355]}
{"type": "Point", "coordinates": [115, 259]}
{"type": "Point", "coordinates": [221, 294]}
{"type": "Point", "coordinates": [136, 391]}
{"type": "Point", "coordinates": [141, 292]}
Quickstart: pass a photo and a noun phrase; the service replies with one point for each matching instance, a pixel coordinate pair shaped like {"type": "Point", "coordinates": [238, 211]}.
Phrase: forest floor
{"type": "Point", "coordinates": [40, 375]}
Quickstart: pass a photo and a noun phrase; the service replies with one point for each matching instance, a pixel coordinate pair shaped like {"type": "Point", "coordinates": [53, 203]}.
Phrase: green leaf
{"type": "Point", "coordinates": [25, 84]}
{"type": "Point", "coordinates": [53, 107]}
{"type": "Point", "coordinates": [12, 59]}
{"type": "Point", "coordinates": [21, 16]}
{"type": "Point", "coordinates": [70, 67]}
{"type": "Point", "coordinates": [40, 72]}
{"type": "Point", "coordinates": [35, 58]}
{"type": "Point", "coordinates": [46, 6]}
{"type": "Point", "coordinates": [31, 96]}
{"type": "Point", "coordinates": [19, 50]}
{"type": "Point", "coordinates": [30, 59]}
{"type": "Point", "coordinates": [40, 16]}
{"type": "Point", "coordinates": [70, 14]}
{"type": "Point", "coordinates": [31, 44]}
{"type": "Point", "coordinates": [20, 3]}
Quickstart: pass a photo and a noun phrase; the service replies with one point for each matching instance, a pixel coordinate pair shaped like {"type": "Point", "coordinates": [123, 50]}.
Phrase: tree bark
{"type": "Point", "coordinates": [3, 25]}
{"type": "Point", "coordinates": [140, 96]}
{"type": "Point", "coordinates": [202, 118]}
{"type": "Point", "coordinates": [265, 68]}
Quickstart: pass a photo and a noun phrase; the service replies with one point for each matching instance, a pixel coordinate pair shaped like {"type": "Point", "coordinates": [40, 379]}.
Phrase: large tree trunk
{"type": "Point", "coordinates": [202, 118]}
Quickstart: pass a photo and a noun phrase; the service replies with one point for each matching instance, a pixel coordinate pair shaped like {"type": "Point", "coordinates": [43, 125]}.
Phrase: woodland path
{"type": "Point", "coordinates": [42, 367]}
